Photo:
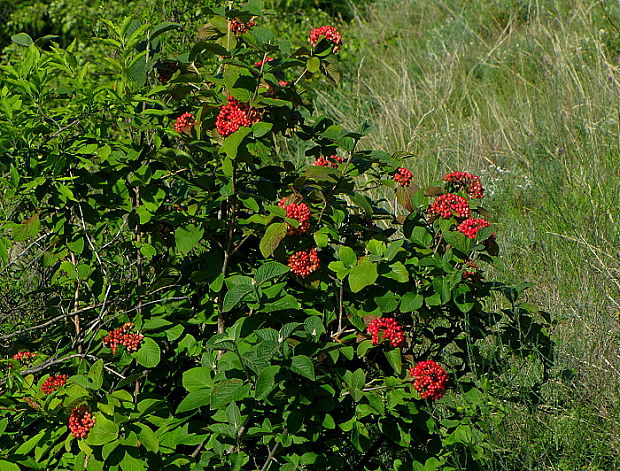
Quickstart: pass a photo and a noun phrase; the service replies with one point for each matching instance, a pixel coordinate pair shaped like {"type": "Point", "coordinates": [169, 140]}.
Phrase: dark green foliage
{"type": "Point", "coordinates": [243, 364]}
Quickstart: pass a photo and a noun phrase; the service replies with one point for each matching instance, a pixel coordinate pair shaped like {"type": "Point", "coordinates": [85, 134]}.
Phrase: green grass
{"type": "Point", "coordinates": [526, 94]}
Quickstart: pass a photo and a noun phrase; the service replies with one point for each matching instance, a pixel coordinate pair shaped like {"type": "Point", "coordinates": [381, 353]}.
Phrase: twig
{"type": "Point", "coordinates": [47, 323]}
{"type": "Point", "coordinates": [72, 123]}
{"type": "Point", "coordinates": [23, 252]}
{"type": "Point", "coordinates": [270, 457]}
{"type": "Point", "coordinates": [50, 362]}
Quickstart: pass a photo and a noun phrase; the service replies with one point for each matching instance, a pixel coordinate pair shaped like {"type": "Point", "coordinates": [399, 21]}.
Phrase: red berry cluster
{"type": "Point", "coordinates": [389, 328]}
{"type": "Point", "coordinates": [471, 226]}
{"type": "Point", "coordinates": [234, 115]}
{"type": "Point", "coordinates": [430, 379]}
{"type": "Point", "coordinates": [448, 204]}
{"type": "Point", "coordinates": [52, 383]}
{"type": "Point", "coordinates": [304, 263]}
{"type": "Point", "coordinates": [471, 183]}
{"type": "Point", "coordinates": [81, 421]}
{"type": "Point", "coordinates": [332, 161]}
{"type": "Point", "coordinates": [260, 63]}
{"type": "Point", "coordinates": [123, 336]}
{"type": "Point", "coordinates": [237, 26]}
{"type": "Point", "coordinates": [330, 33]}
{"type": "Point", "coordinates": [403, 177]}
{"type": "Point", "coordinates": [184, 122]}
{"type": "Point", "coordinates": [24, 356]}
{"type": "Point", "coordinates": [471, 271]}
{"type": "Point", "coordinates": [298, 211]}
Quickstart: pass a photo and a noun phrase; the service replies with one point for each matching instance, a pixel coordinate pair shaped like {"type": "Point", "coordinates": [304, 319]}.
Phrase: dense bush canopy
{"type": "Point", "coordinates": [204, 301]}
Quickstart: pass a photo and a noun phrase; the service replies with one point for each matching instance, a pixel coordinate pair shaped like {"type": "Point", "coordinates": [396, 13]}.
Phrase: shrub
{"type": "Point", "coordinates": [212, 305]}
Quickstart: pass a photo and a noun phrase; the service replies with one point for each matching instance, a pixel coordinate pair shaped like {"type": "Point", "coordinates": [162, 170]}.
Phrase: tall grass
{"type": "Point", "coordinates": [526, 93]}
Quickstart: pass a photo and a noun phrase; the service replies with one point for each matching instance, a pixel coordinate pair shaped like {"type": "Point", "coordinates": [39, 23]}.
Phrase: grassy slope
{"type": "Point", "coordinates": [525, 93]}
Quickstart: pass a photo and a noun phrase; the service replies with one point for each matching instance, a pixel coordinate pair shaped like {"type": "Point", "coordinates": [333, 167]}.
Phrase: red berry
{"type": "Point", "coordinates": [471, 271]}
{"type": "Point", "coordinates": [25, 356]}
{"type": "Point", "coordinates": [403, 177]}
{"type": "Point", "coordinates": [123, 336]}
{"type": "Point", "coordinates": [469, 182]}
{"type": "Point", "coordinates": [184, 122]}
{"type": "Point", "coordinates": [429, 379]}
{"type": "Point", "coordinates": [471, 226]}
{"type": "Point", "coordinates": [238, 26]}
{"type": "Point", "coordinates": [448, 204]}
{"type": "Point", "coordinates": [298, 211]}
{"type": "Point", "coordinates": [52, 383]}
{"type": "Point", "coordinates": [81, 421]}
{"type": "Point", "coordinates": [234, 115]}
{"type": "Point", "coordinates": [332, 161]}
{"type": "Point", "coordinates": [328, 32]}
{"type": "Point", "coordinates": [389, 328]}
{"type": "Point", "coordinates": [260, 63]}
{"type": "Point", "coordinates": [304, 263]}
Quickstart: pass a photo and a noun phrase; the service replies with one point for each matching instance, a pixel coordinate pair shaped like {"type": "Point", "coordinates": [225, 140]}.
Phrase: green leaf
{"type": "Point", "coordinates": [363, 202]}
{"type": "Point", "coordinates": [95, 374]}
{"type": "Point", "coordinates": [287, 329]}
{"type": "Point", "coordinates": [27, 230]}
{"type": "Point", "coordinates": [66, 191]}
{"type": "Point", "coordinates": [187, 237]}
{"type": "Point", "coordinates": [274, 234]}
{"type": "Point", "coordinates": [303, 365]}
{"type": "Point", "coordinates": [148, 438]}
{"type": "Point", "coordinates": [22, 39]}
{"type": "Point", "coordinates": [233, 414]}
{"type": "Point", "coordinates": [321, 239]}
{"type": "Point", "coordinates": [29, 444]}
{"type": "Point", "coordinates": [104, 431]}
{"type": "Point", "coordinates": [235, 295]}
{"type": "Point", "coordinates": [224, 393]}
{"type": "Point", "coordinates": [376, 247]}
{"type": "Point", "coordinates": [138, 68]}
{"type": "Point", "coordinates": [398, 272]}
{"type": "Point", "coordinates": [314, 326]}
{"type": "Point", "coordinates": [286, 302]}
{"type": "Point", "coordinates": [362, 275]}
{"type": "Point", "coordinates": [265, 382]}
{"type": "Point", "coordinates": [194, 400]}
{"type": "Point", "coordinates": [130, 463]}
{"type": "Point", "coordinates": [313, 64]}
{"type": "Point", "coordinates": [148, 355]}
{"type": "Point", "coordinates": [411, 301]}
{"type": "Point", "coordinates": [197, 379]}
{"type": "Point", "coordinates": [163, 27]}
{"type": "Point", "coordinates": [262, 35]}
{"type": "Point", "coordinates": [261, 128]}
{"type": "Point", "coordinates": [152, 198]}
{"type": "Point", "coordinates": [363, 347]}
{"type": "Point", "coordinates": [421, 236]}
{"type": "Point", "coordinates": [348, 257]}
{"type": "Point", "coordinates": [395, 359]}
{"type": "Point", "coordinates": [8, 466]}
{"type": "Point", "coordinates": [268, 334]}
{"type": "Point", "coordinates": [268, 271]}
{"type": "Point", "coordinates": [231, 144]}
{"type": "Point", "coordinates": [355, 379]}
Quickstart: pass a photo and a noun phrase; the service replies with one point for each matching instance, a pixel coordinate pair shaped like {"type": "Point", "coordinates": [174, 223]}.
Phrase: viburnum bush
{"type": "Point", "coordinates": [211, 303]}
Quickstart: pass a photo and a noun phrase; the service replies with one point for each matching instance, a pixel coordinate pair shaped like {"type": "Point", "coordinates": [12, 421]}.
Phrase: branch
{"type": "Point", "coordinates": [24, 251]}
{"type": "Point", "coordinates": [271, 456]}
{"type": "Point", "coordinates": [72, 123]}
{"type": "Point", "coordinates": [50, 362]}
{"type": "Point", "coordinates": [47, 323]}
